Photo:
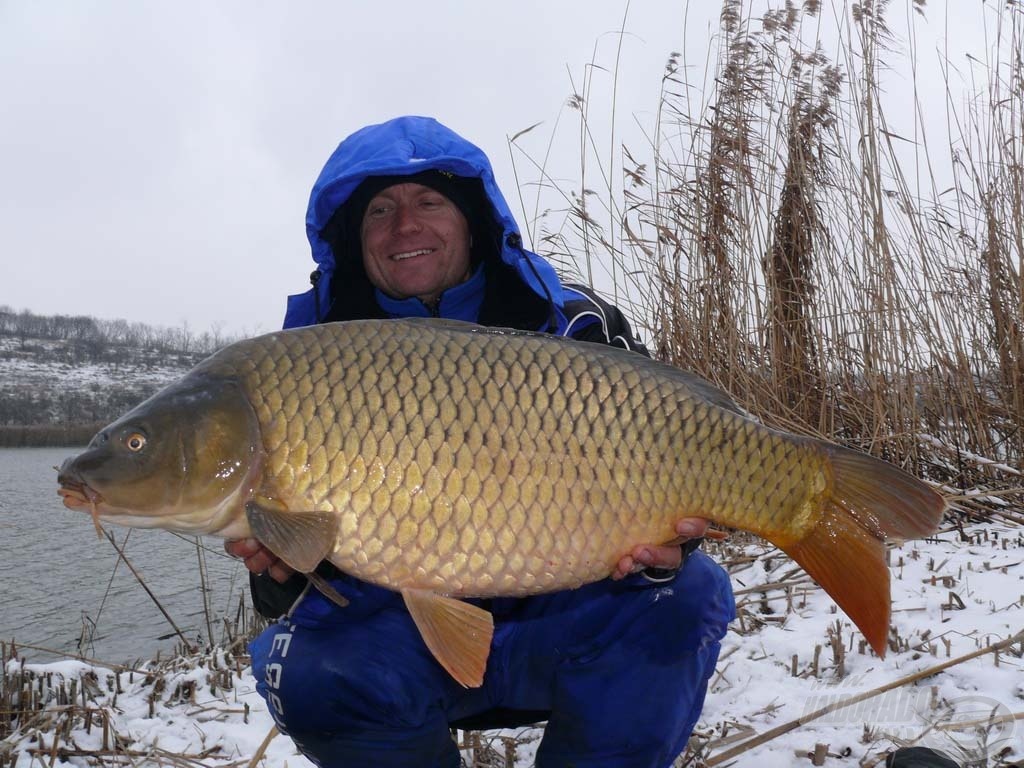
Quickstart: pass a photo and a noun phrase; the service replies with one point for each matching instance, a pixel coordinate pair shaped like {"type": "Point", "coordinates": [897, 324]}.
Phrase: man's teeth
{"type": "Point", "coordinates": [410, 254]}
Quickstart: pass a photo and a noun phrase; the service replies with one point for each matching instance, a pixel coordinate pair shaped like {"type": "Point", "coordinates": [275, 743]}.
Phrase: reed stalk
{"type": "Point", "coordinates": [778, 236]}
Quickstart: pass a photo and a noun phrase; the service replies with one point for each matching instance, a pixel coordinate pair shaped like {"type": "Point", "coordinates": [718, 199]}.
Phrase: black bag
{"type": "Point", "coordinates": [918, 757]}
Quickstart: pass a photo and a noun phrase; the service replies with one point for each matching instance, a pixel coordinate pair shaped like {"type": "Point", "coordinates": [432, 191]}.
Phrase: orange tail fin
{"type": "Point", "coordinates": [871, 502]}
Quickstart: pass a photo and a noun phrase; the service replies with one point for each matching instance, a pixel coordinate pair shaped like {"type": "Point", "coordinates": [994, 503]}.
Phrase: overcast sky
{"type": "Point", "coordinates": [156, 158]}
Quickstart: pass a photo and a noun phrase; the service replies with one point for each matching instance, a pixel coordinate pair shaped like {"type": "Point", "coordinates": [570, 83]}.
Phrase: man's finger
{"type": "Point", "coordinates": [667, 558]}
{"type": "Point", "coordinates": [260, 562]}
{"type": "Point", "coordinates": [280, 572]}
{"type": "Point", "coordinates": [692, 527]}
{"type": "Point", "coordinates": [623, 568]}
{"type": "Point", "coordinates": [242, 548]}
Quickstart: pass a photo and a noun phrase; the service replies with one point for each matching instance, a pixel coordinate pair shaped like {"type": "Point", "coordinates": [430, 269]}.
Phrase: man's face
{"type": "Point", "coordinates": [416, 242]}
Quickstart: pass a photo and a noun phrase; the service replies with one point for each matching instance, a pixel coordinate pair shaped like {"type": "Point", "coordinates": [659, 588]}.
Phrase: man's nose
{"type": "Point", "coordinates": [406, 219]}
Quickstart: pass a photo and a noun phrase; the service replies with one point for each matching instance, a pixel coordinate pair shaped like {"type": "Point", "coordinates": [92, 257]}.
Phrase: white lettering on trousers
{"type": "Point", "coordinates": [274, 673]}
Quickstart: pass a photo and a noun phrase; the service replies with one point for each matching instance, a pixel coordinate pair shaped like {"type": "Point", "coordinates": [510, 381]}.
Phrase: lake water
{"type": "Point", "coordinates": [58, 581]}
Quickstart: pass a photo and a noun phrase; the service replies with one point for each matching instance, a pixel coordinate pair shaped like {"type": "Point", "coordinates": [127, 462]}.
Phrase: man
{"type": "Point", "coordinates": [406, 220]}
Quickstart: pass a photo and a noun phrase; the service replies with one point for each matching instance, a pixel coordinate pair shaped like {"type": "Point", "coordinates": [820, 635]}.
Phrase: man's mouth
{"type": "Point", "coordinates": [411, 254]}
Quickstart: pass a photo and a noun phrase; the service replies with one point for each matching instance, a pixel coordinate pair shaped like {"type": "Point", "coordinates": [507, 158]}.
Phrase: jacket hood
{"type": "Point", "coordinates": [405, 146]}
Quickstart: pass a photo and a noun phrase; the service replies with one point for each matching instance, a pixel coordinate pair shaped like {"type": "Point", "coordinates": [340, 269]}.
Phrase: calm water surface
{"type": "Point", "coordinates": [58, 581]}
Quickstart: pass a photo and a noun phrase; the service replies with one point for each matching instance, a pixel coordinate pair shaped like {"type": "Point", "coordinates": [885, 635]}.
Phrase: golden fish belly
{"type": "Point", "coordinates": [505, 464]}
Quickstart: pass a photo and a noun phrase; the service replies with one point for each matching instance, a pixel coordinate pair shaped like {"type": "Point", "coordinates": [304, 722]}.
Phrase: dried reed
{"type": "Point", "coordinates": [779, 238]}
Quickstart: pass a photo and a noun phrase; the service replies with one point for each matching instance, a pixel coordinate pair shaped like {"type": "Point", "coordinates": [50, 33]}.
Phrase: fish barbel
{"type": "Point", "coordinates": [446, 460]}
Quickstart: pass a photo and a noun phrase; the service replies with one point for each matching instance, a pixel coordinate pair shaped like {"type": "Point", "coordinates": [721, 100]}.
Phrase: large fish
{"type": "Point", "coordinates": [445, 460]}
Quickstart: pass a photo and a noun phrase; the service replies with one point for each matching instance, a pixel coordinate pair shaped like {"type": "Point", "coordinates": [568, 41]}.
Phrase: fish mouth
{"type": "Point", "coordinates": [78, 495]}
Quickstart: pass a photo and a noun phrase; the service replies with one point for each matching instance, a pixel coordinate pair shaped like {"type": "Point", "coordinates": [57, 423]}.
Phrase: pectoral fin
{"type": "Point", "coordinates": [300, 539]}
{"type": "Point", "coordinates": [457, 633]}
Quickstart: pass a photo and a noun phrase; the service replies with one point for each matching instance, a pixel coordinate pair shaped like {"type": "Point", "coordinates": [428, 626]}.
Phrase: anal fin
{"type": "Point", "coordinates": [457, 633]}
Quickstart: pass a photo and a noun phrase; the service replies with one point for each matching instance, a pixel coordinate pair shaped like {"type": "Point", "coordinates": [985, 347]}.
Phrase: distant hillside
{"type": "Point", "coordinates": [61, 378]}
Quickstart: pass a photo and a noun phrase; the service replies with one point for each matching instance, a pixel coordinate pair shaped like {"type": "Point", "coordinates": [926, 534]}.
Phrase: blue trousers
{"type": "Point", "coordinates": [622, 666]}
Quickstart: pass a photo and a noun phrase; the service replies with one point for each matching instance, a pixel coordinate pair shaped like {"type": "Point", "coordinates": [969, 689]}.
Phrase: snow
{"type": "Point", "coordinates": [46, 359]}
{"type": "Point", "coordinates": [974, 458]}
{"type": "Point", "coordinates": [47, 381]}
{"type": "Point", "coordinates": [951, 598]}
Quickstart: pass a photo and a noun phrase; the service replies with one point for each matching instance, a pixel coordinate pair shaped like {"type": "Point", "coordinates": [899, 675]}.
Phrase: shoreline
{"type": "Point", "coordinates": [47, 435]}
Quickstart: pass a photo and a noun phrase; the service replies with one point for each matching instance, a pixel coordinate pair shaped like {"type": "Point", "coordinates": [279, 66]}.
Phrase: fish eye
{"type": "Point", "coordinates": [135, 442]}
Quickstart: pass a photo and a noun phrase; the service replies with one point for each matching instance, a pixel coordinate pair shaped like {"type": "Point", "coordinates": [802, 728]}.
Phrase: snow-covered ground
{"type": "Point", "coordinates": [951, 599]}
{"type": "Point", "coordinates": [46, 359]}
{"type": "Point", "coordinates": [46, 381]}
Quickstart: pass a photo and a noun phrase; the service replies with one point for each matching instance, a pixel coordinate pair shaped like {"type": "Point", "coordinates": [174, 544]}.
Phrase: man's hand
{"type": "Point", "coordinates": [259, 559]}
{"type": "Point", "coordinates": [669, 556]}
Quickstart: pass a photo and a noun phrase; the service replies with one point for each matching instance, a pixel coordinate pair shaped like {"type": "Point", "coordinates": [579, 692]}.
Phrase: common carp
{"type": "Point", "coordinates": [446, 460]}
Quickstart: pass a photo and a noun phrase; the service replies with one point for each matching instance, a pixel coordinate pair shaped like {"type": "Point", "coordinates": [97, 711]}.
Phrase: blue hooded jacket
{"type": "Point", "coordinates": [400, 147]}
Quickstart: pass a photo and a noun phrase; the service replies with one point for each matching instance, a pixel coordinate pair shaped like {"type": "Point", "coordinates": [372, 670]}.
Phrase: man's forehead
{"type": "Point", "coordinates": [406, 188]}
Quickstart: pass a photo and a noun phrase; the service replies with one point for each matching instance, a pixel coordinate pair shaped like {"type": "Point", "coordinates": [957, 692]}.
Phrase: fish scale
{"type": "Point", "coordinates": [445, 460]}
{"type": "Point", "coordinates": [609, 427]}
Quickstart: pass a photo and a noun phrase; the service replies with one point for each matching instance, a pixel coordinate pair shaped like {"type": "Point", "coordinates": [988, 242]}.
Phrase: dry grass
{"type": "Point", "coordinates": [44, 715]}
{"type": "Point", "coordinates": [776, 236]}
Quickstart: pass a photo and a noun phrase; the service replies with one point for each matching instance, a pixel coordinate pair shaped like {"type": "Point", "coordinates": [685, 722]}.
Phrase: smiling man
{"type": "Point", "coordinates": [416, 239]}
{"type": "Point", "coordinates": [406, 220]}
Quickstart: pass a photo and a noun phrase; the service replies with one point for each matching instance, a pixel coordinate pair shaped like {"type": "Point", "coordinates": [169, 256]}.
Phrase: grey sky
{"type": "Point", "coordinates": [156, 158]}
